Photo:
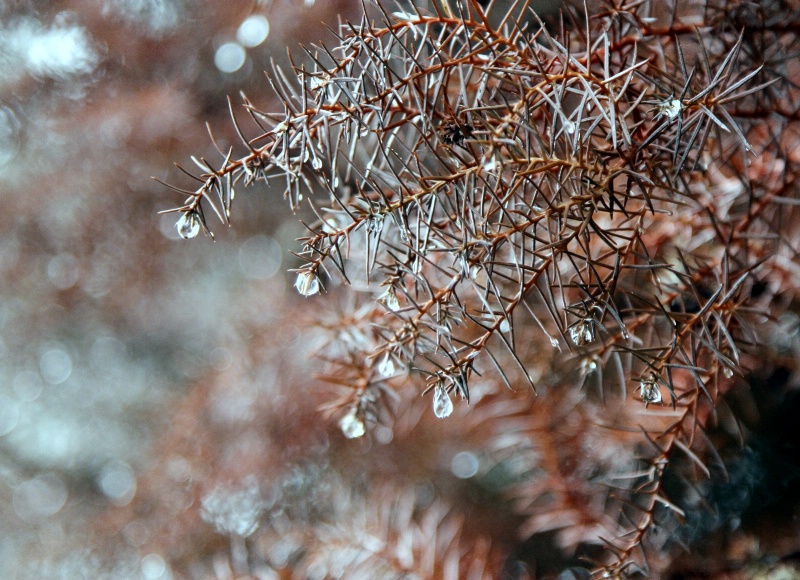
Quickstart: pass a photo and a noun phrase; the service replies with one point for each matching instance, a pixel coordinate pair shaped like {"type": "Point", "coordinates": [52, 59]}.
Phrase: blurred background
{"type": "Point", "coordinates": [158, 403]}
{"type": "Point", "coordinates": [109, 319]}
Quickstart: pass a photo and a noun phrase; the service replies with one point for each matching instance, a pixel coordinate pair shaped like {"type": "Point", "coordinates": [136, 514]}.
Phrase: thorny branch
{"type": "Point", "coordinates": [478, 168]}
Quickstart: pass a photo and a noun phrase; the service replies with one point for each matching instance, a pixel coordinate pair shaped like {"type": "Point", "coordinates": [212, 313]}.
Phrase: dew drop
{"type": "Point", "coordinates": [442, 405]}
{"type": "Point", "coordinates": [307, 283]}
{"type": "Point", "coordinates": [727, 371]}
{"type": "Point", "coordinates": [188, 226]}
{"type": "Point", "coordinates": [504, 325]}
{"type": "Point", "coordinates": [316, 163]}
{"type": "Point", "coordinates": [389, 298]}
{"type": "Point", "coordinates": [569, 127]}
{"type": "Point", "coordinates": [554, 342]}
{"type": "Point", "coordinates": [352, 426]}
{"type": "Point", "coordinates": [649, 390]}
{"type": "Point", "coordinates": [386, 368]}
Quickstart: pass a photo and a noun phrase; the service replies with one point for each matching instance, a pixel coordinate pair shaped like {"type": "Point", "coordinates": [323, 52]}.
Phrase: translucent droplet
{"type": "Point", "coordinates": [554, 342]}
{"type": "Point", "coordinates": [727, 371]}
{"type": "Point", "coordinates": [386, 368]}
{"type": "Point", "coordinates": [352, 426]}
{"type": "Point", "coordinates": [389, 298]}
{"type": "Point", "coordinates": [307, 283]}
{"type": "Point", "coordinates": [583, 332]}
{"type": "Point", "coordinates": [442, 405]}
{"type": "Point", "coordinates": [569, 127]}
{"type": "Point", "coordinates": [189, 225]}
{"type": "Point", "coordinates": [316, 163]}
{"type": "Point", "coordinates": [649, 390]}
{"type": "Point", "coordinates": [504, 325]}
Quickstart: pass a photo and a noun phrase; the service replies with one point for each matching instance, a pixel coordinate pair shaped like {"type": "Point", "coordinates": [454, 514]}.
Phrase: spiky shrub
{"type": "Point", "coordinates": [600, 212]}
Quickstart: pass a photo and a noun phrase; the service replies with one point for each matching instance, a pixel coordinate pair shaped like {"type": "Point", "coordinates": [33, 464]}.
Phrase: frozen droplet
{"type": "Point", "coordinates": [442, 405]}
{"type": "Point", "coordinates": [189, 225]}
{"type": "Point", "coordinates": [670, 108]}
{"type": "Point", "coordinates": [386, 368]}
{"type": "Point", "coordinates": [307, 283]}
{"type": "Point", "coordinates": [352, 426]}
{"type": "Point", "coordinates": [389, 298]}
{"type": "Point", "coordinates": [649, 390]}
{"type": "Point", "coordinates": [583, 332]}
{"type": "Point", "coordinates": [504, 325]}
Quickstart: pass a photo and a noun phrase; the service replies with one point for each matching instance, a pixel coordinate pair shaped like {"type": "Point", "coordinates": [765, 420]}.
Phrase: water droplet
{"type": "Point", "coordinates": [389, 298]}
{"type": "Point", "coordinates": [307, 283]}
{"type": "Point", "coordinates": [189, 225]}
{"type": "Point", "coordinates": [316, 163]}
{"type": "Point", "coordinates": [554, 342]}
{"type": "Point", "coordinates": [727, 371]}
{"type": "Point", "coordinates": [505, 326]}
{"type": "Point", "coordinates": [442, 405]}
{"type": "Point", "coordinates": [569, 127]}
{"type": "Point", "coordinates": [386, 368]}
{"type": "Point", "coordinates": [649, 390]}
{"type": "Point", "coordinates": [583, 332]}
{"type": "Point", "coordinates": [352, 426]}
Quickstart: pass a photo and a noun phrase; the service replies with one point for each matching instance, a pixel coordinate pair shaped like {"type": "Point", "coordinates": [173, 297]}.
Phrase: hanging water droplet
{"type": "Point", "coordinates": [504, 325]}
{"type": "Point", "coordinates": [386, 368]}
{"type": "Point", "coordinates": [569, 127]}
{"type": "Point", "coordinates": [583, 332]}
{"type": "Point", "coordinates": [389, 298]}
{"type": "Point", "coordinates": [307, 283]}
{"type": "Point", "coordinates": [649, 390]}
{"type": "Point", "coordinates": [352, 426]}
{"type": "Point", "coordinates": [554, 342]}
{"type": "Point", "coordinates": [727, 371]}
{"type": "Point", "coordinates": [316, 163]}
{"type": "Point", "coordinates": [442, 405]}
{"type": "Point", "coordinates": [189, 225]}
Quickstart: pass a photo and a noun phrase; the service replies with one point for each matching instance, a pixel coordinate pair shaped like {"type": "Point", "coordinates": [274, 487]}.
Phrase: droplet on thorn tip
{"type": "Point", "coordinates": [442, 405]}
{"type": "Point", "coordinates": [188, 225]}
